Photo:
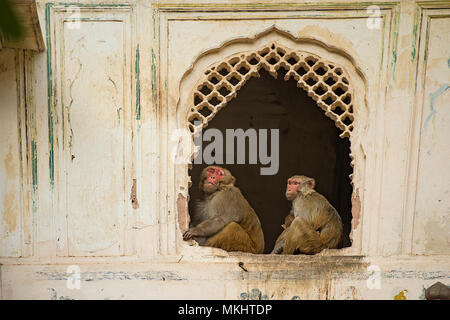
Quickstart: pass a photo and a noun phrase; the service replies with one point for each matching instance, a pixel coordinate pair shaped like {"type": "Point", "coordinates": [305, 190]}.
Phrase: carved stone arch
{"type": "Point", "coordinates": [325, 82]}
{"type": "Point", "coordinates": [343, 80]}
{"type": "Point", "coordinates": [328, 74]}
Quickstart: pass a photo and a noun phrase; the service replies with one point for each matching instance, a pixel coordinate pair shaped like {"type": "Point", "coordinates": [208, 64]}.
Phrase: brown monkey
{"type": "Point", "coordinates": [278, 248]}
{"type": "Point", "coordinates": [225, 218]}
{"type": "Point", "coordinates": [316, 225]}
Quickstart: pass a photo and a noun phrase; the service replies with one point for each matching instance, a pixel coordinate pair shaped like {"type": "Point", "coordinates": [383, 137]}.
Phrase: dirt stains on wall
{"type": "Point", "coordinates": [133, 196]}
{"type": "Point", "coordinates": [10, 212]}
{"type": "Point", "coordinates": [183, 216]}
{"type": "Point", "coordinates": [9, 209]}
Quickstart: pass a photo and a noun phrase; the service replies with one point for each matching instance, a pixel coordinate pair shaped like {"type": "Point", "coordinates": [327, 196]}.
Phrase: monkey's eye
{"type": "Point", "coordinates": [211, 171]}
{"type": "Point", "coordinates": [220, 172]}
{"type": "Point", "coordinates": [295, 183]}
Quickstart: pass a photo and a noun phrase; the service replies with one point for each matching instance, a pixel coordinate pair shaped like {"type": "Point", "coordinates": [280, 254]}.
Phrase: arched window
{"type": "Point", "coordinates": [310, 98]}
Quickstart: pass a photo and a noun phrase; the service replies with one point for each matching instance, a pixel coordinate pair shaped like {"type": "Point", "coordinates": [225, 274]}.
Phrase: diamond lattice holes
{"type": "Point", "coordinates": [253, 59]}
{"type": "Point", "coordinates": [325, 82]}
{"type": "Point", "coordinates": [214, 78]}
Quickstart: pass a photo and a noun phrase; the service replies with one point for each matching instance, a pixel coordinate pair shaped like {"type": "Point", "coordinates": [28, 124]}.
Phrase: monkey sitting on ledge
{"type": "Point", "coordinates": [224, 219]}
{"type": "Point", "coordinates": [313, 225]}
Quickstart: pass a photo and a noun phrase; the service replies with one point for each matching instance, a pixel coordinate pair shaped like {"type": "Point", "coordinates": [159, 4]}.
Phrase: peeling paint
{"type": "Point", "coordinates": [118, 113]}
{"type": "Point", "coordinates": [154, 87]}
{"type": "Point", "coordinates": [183, 215]}
{"type": "Point", "coordinates": [254, 294]}
{"type": "Point", "coordinates": [154, 17]}
{"type": "Point", "coordinates": [133, 197]}
{"type": "Point", "coordinates": [275, 4]}
{"type": "Point", "coordinates": [394, 55]}
{"type": "Point", "coordinates": [68, 108]}
{"type": "Point", "coordinates": [356, 211]}
{"type": "Point", "coordinates": [138, 85]}
{"type": "Point", "coordinates": [352, 293]}
{"type": "Point", "coordinates": [30, 132]}
{"type": "Point", "coordinates": [51, 160]}
{"type": "Point", "coordinates": [92, 5]}
{"type": "Point", "coordinates": [401, 295]}
{"type": "Point", "coordinates": [34, 173]}
{"type": "Point", "coordinates": [395, 27]}
{"type": "Point", "coordinates": [414, 34]}
{"type": "Point", "coordinates": [112, 275]}
{"type": "Point", "coordinates": [54, 295]}
{"type": "Point", "coordinates": [433, 97]}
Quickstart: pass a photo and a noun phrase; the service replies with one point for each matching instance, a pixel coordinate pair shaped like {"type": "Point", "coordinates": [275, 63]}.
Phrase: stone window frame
{"type": "Point", "coordinates": [211, 62]}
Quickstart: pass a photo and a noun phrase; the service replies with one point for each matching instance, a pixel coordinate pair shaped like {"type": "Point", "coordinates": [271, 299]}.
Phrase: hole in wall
{"type": "Point", "coordinates": [309, 145]}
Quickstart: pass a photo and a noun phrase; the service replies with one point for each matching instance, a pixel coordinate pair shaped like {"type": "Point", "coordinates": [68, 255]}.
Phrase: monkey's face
{"type": "Point", "coordinates": [292, 188]}
{"type": "Point", "coordinates": [214, 175]}
{"type": "Point", "coordinates": [297, 184]}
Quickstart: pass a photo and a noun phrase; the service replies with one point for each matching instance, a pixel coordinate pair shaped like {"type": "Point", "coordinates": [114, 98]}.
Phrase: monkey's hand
{"type": "Point", "coordinates": [278, 249]}
{"type": "Point", "coordinates": [189, 234]}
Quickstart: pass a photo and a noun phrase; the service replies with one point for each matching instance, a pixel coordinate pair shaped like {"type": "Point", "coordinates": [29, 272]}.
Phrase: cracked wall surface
{"type": "Point", "coordinates": [86, 176]}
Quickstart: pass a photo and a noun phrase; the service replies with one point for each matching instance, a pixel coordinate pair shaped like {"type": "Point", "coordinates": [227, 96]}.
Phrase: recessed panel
{"type": "Point", "coordinates": [95, 113]}
{"type": "Point", "coordinates": [10, 179]}
{"type": "Point", "coordinates": [432, 214]}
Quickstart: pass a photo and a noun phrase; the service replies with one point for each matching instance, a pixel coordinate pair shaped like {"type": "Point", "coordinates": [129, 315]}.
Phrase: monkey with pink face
{"type": "Point", "coordinates": [313, 224]}
{"type": "Point", "coordinates": [224, 219]}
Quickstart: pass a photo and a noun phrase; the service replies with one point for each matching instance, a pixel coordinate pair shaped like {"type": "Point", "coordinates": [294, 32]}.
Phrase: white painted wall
{"type": "Point", "coordinates": [89, 118]}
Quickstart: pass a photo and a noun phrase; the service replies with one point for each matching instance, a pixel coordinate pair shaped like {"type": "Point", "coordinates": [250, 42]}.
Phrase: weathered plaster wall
{"type": "Point", "coordinates": [85, 143]}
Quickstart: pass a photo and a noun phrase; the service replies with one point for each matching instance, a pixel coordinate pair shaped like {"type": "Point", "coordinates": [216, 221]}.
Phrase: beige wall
{"type": "Point", "coordinates": [86, 176]}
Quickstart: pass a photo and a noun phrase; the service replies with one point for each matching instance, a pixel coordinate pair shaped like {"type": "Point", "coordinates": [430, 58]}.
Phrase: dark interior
{"type": "Point", "coordinates": [309, 145]}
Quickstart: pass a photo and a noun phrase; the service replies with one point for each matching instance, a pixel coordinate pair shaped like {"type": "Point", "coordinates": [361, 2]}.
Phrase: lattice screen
{"type": "Point", "coordinates": [324, 82]}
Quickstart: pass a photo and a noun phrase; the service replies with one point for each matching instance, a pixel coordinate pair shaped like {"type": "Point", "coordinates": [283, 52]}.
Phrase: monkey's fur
{"type": "Point", "coordinates": [313, 225]}
{"type": "Point", "coordinates": [224, 219]}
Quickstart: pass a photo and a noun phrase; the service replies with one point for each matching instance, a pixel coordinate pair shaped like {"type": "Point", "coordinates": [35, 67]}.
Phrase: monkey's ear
{"type": "Point", "coordinates": [233, 180]}
{"type": "Point", "coordinates": [311, 183]}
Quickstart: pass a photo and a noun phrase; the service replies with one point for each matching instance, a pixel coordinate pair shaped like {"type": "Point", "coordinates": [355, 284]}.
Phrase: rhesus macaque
{"type": "Point", "coordinates": [224, 219]}
{"type": "Point", "coordinates": [282, 237]}
{"type": "Point", "coordinates": [313, 224]}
